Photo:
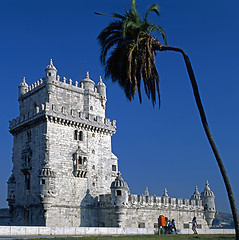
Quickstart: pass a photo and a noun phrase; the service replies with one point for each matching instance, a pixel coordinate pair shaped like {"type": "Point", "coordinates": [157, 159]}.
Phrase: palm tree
{"type": "Point", "coordinates": [128, 51]}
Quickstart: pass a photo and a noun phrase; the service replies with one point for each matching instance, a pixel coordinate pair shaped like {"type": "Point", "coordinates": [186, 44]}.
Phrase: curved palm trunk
{"type": "Point", "coordinates": [207, 131]}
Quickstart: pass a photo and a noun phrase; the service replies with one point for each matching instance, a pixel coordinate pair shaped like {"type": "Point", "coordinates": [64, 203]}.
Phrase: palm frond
{"type": "Point", "coordinates": [153, 8]}
{"type": "Point", "coordinates": [133, 11]}
{"type": "Point", "coordinates": [157, 28]}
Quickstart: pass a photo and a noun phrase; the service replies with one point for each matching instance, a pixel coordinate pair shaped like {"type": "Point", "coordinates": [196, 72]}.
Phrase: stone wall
{"type": "Point", "coordinates": [74, 231]}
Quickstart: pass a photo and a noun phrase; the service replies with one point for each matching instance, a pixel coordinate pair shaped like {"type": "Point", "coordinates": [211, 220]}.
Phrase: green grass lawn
{"type": "Point", "coordinates": [149, 237]}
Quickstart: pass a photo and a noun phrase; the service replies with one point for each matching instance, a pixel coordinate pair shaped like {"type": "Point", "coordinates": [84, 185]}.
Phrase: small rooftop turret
{"type": "Point", "coordinates": [51, 71]}
{"type": "Point", "coordinates": [22, 87]}
{"type": "Point", "coordinates": [87, 83]}
{"type": "Point", "coordinates": [119, 183]}
{"type": "Point", "coordinates": [196, 194]}
{"type": "Point", "coordinates": [101, 89]}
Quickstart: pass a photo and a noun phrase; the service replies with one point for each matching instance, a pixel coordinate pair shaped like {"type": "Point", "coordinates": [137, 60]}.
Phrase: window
{"type": "Point", "coordinates": [185, 225]}
{"type": "Point", "coordinates": [199, 225]}
{"type": "Point", "coordinates": [75, 134]}
{"type": "Point", "coordinates": [81, 136]}
{"type": "Point", "coordinates": [114, 168]}
{"type": "Point", "coordinates": [118, 192]}
{"type": "Point", "coordinates": [91, 108]}
{"type": "Point", "coordinates": [79, 164]}
{"type": "Point", "coordinates": [43, 181]}
{"type": "Point", "coordinates": [26, 158]}
{"type": "Point", "coordinates": [78, 135]}
{"type": "Point", "coordinates": [27, 181]}
{"type": "Point", "coordinates": [29, 136]}
{"type": "Point", "coordinates": [80, 160]}
{"type": "Point", "coordinates": [141, 225]}
{"type": "Point", "coordinates": [49, 74]}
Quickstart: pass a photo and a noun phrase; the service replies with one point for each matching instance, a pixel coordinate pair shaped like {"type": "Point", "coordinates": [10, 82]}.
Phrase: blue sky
{"type": "Point", "coordinates": [156, 148]}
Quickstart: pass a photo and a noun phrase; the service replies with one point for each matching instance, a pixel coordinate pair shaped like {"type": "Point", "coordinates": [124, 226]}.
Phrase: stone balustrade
{"type": "Point", "coordinates": [163, 201]}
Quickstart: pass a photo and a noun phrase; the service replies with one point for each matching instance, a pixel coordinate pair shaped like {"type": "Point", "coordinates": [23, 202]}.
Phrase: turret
{"type": "Point", "coordinates": [22, 87]}
{"type": "Point", "coordinates": [196, 194]}
{"type": "Point", "coordinates": [120, 196]}
{"type": "Point", "coordinates": [87, 83]}
{"type": "Point", "coordinates": [50, 72]}
{"type": "Point", "coordinates": [50, 77]}
{"type": "Point", "coordinates": [208, 201]}
{"type": "Point", "coordinates": [46, 178]}
{"type": "Point", "coordinates": [101, 89]}
{"type": "Point", "coordinates": [11, 191]}
{"type": "Point", "coordinates": [119, 191]}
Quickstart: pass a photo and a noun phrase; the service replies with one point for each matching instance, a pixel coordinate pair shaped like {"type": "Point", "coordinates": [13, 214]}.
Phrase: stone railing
{"type": "Point", "coordinates": [162, 201]}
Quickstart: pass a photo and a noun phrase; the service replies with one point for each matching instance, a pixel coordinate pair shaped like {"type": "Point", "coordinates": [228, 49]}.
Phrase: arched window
{"type": "Point", "coordinates": [75, 134]}
{"type": "Point", "coordinates": [81, 136]}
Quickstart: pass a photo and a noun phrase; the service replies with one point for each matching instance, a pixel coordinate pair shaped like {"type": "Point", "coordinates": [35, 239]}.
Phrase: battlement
{"type": "Point", "coordinates": [163, 201]}
{"type": "Point", "coordinates": [63, 83]}
{"type": "Point", "coordinates": [31, 114]}
{"type": "Point", "coordinates": [155, 201]}
{"type": "Point", "coordinates": [65, 116]}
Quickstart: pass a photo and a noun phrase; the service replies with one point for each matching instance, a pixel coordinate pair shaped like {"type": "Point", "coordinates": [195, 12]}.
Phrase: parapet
{"type": "Point", "coordinates": [61, 116]}
{"type": "Point", "coordinates": [156, 201]}
{"type": "Point", "coordinates": [31, 115]}
{"type": "Point", "coordinates": [63, 83]}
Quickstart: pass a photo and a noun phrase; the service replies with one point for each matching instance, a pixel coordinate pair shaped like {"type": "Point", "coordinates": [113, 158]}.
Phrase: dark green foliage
{"type": "Point", "coordinates": [128, 52]}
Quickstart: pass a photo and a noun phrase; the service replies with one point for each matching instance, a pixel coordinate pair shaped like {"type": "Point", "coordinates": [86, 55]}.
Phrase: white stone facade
{"type": "Point", "coordinates": [64, 172]}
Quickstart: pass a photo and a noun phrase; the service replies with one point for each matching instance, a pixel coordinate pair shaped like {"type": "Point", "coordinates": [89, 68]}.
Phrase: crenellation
{"type": "Point", "coordinates": [158, 201]}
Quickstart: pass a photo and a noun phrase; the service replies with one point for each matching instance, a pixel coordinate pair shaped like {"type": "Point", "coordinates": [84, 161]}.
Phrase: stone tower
{"type": "Point", "coordinates": [62, 157]}
{"type": "Point", "coordinates": [208, 201]}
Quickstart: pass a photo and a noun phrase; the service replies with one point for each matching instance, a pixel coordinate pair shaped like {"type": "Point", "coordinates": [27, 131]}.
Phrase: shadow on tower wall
{"type": "Point", "coordinates": [89, 211]}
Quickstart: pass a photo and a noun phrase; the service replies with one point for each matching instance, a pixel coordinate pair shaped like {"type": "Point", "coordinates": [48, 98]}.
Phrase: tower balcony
{"type": "Point", "coordinates": [80, 171]}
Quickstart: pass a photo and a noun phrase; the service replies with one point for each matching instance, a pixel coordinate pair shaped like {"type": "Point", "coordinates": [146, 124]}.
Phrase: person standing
{"type": "Point", "coordinates": [161, 224]}
{"type": "Point", "coordinates": [194, 222]}
{"type": "Point", "coordinates": [172, 227]}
